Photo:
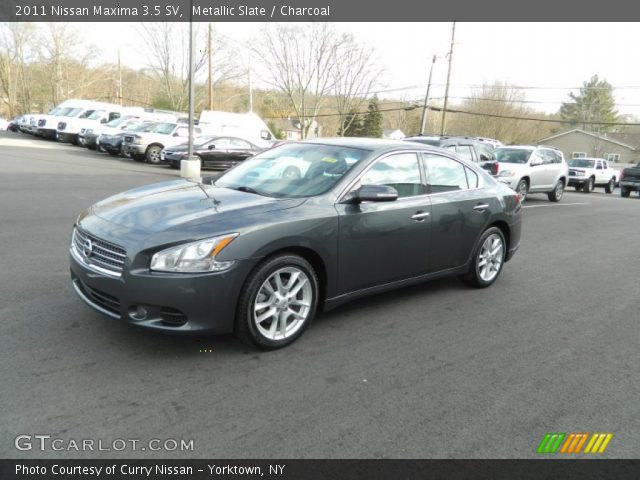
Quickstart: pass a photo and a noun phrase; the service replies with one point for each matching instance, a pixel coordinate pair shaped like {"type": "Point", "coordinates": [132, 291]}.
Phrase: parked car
{"type": "Point", "coordinates": [533, 169]}
{"type": "Point", "coordinates": [147, 143]}
{"type": "Point", "coordinates": [113, 143]}
{"type": "Point", "coordinates": [587, 173]}
{"type": "Point", "coordinates": [14, 124]}
{"type": "Point", "coordinates": [630, 180]}
{"type": "Point", "coordinates": [258, 255]}
{"type": "Point", "coordinates": [219, 153]}
{"type": "Point", "coordinates": [89, 135]}
{"type": "Point", "coordinates": [471, 149]}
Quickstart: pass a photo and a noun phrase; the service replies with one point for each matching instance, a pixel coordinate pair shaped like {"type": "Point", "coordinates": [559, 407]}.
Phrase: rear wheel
{"type": "Point", "coordinates": [625, 192]}
{"type": "Point", "coordinates": [611, 186]}
{"type": "Point", "coordinates": [153, 154]}
{"type": "Point", "coordinates": [578, 187]}
{"type": "Point", "coordinates": [278, 302]}
{"type": "Point", "coordinates": [588, 186]}
{"type": "Point", "coordinates": [487, 259]}
{"type": "Point", "coordinates": [556, 194]}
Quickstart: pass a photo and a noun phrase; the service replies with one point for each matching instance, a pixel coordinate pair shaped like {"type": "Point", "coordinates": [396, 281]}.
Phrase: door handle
{"type": "Point", "coordinates": [481, 207]}
{"type": "Point", "coordinates": [420, 216]}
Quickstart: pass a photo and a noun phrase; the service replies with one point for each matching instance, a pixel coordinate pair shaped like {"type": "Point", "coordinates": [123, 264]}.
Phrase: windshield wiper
{"type": "Point", "coordinates": [244, 188]}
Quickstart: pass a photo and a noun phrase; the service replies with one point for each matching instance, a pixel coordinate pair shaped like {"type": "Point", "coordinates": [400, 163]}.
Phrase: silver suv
{"type": "Point", "coordinates": [533, 169]}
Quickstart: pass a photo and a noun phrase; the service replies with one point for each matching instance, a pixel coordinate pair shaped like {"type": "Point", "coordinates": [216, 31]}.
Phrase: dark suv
{"type": "Point", "coordinates": [471, 149]}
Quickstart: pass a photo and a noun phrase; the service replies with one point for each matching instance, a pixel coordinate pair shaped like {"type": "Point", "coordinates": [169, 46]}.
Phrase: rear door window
{"type": "Point", "coordinates": [444, 174]}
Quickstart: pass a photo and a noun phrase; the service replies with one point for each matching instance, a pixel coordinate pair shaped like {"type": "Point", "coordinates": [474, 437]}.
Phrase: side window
{"type": "Point", "coordinates": [400, 171]}
{"type": "Point", "coordinates": [445, 174]}
{"type": "Point", "coordinates": [485, 153]}
{"type": "Point", "coordinates": [114, 115]}
{"type": "Point", "coordinates": [238, 143]}
{"type": "Point", "coordinates": [182, 132]}
{"type": "Point", "coordinates": [472, 178]}
{"type": "Point", "coordinates": [222, 142]}
{"type": "Point", "coordinates": [605, 164]}
{"type": "Point", "coordinates": [464, 151]}
{"type": "Point", "coordinates": [538, 158]}
{"type": "Point", "coordinates": [599, 165]}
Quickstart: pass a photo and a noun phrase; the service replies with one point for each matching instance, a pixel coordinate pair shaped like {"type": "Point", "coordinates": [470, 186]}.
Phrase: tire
{"type": "Point", "coordinates": [292, 173]}
{"type": "Point", "coordinates": [625, 192]}
{"type": "Point", "coordinates": [588, 186]}
{"type": "Point", "coordinates": [152, 155]}
{"type": "Point", "coordinates": [261, 288]}
{"type": "Point", "coordinates": [482, 276]}
{"type": "Point", "coordinates": [611, 186]}
{"type": "Point", "coordinates": [522, 188]}
{"type": "Point", "coordinates": [578, 187]}
{"type": "Point", "coordinates": [555, 195]}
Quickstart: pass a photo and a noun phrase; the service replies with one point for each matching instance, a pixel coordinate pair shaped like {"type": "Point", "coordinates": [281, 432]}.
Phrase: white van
{"type": "Point", "coordinates": [244, 125]}
{"type": "Point", "coordinates": [83, 114]}
{"type": "Point", "coordinates": [46, 123]}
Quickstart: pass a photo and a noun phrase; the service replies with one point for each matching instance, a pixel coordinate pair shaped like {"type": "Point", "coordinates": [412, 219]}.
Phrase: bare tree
{"type": "Point", "coordinates": [168, 48]}
{"type": "Point", "coordinates": [15, 53]}
{"type": "Point", "coordinates": [355, 76]}
{"type": "Point", "coordinates": [300, 61]}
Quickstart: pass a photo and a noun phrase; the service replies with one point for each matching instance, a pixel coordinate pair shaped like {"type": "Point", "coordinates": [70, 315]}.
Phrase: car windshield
{"type": "Point", "coordinates": [513, 155]}
{"type": "Point", "coordinates": [293, 170]}
{"type": "Point", "coordinates": [72, 112]}
{"type": "Point", "coordinates": [95, 114]}
{"type": "Point", "coordinates": [164, 128]}
{"type": "Point", "coordinates": [581, 163]}
{"type": "Point", "coordinates": [117, 121]}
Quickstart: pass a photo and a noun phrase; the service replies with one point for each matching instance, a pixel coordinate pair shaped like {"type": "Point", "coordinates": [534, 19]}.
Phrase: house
{"type": "Point", "coordinates": [393, 133]}
{"type": "Point", "coordinates": [615, 147]}
{"type": "Point", "coordinates": [291, 129]}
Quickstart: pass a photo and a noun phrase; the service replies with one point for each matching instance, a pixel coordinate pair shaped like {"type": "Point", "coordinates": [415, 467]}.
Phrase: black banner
{"type": "Point", "coordinates": [312, 10]}
{"type": "Point", "coordinates": [319, 469]}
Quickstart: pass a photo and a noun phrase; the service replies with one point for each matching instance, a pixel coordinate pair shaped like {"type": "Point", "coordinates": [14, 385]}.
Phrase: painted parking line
{"type": "Point", "coordinates": [556, 205]}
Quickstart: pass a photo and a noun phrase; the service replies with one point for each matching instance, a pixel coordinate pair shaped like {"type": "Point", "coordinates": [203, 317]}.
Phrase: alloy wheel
{"type": "Point", "coordinates": [491, 257]}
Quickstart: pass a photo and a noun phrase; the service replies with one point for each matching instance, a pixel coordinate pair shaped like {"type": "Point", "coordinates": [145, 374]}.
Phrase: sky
{"type": "Point", "coordinates": [551, 57]}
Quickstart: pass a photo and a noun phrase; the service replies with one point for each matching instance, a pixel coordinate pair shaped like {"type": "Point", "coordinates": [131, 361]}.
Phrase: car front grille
{"type": "Point", "coordinates": [98, 252]}
{"type": "Point", "coordinates": [62, 125]}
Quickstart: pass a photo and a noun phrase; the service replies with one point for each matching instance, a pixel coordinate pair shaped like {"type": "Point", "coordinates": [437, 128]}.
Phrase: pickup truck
{"type": "Point", "coordinates": [630, 180]}
{"type": "Point", "coordinates": [587, 173]}
{"type": "Point", "coordinates": [147, 144]}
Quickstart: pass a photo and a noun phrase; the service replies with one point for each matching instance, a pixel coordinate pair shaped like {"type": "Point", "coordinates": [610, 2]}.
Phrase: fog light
{"type": "Point", "coordinates": [138, 312]}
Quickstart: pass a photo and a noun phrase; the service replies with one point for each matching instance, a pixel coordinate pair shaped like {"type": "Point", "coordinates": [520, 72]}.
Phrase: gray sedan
{"type": "Point", "coordinates": [259, 252]}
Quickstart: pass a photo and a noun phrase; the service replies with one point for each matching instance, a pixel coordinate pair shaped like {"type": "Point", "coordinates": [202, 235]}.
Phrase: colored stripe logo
{"type": "Point", "coordinates": [573, 443]}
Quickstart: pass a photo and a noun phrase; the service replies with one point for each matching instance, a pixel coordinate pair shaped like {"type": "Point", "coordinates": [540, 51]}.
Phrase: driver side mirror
{"type": "Point", "coordinates": [211, 147]}
{"type": "Point", "coordinates": [536, 161]}
{"type": "Point", "coordinates": [375, 193]}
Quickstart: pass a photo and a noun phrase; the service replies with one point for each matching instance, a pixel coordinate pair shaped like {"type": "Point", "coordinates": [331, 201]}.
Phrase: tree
{"type": "Point", "coordinates": [351, 126]}
{"type": "Point", "coordinates": [372, 123]}
{"type": "Point", "coordinates": [15, 53]}
{"type": "Point", "coordinates": [355, 75]}
{"type": "Point", "coordinates": [593, 107]}
{"type": "Point", "coordinates": [300, 62]}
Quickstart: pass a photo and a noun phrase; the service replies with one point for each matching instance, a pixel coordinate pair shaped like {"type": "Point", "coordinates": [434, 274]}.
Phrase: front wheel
{"type": "Point", "coordinates": [588, 186]}
{"type": "Point", "coordinates": [625, 192]}
{"type": "Point", "coordinates": [522, 189]}
{"type": "Point", "coordinates": [611, 186]}
{"type": "Point", "coordinates": [578, 187]}
{"type": "Point", "coordinates": [153, 154]}
{"type": "Point", "coordinates": [556, 194]}
{"type": "Point", "coordinates": [278, 302]}
{"type": "Point", "coordinates": [487, 260]}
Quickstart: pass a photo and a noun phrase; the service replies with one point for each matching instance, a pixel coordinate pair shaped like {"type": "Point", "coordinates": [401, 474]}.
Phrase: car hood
{"type": "Point", "coordinates": [180, 205]}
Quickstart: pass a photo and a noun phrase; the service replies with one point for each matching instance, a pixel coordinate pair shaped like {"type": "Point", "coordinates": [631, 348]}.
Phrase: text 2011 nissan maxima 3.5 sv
{"type": "Point", "coordinates": [258, 251]}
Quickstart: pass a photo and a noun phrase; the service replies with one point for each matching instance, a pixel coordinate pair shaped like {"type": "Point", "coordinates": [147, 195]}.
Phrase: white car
{"type": "Point", "coordinates": [533, 169]}
{"type": "Point", "coordinates": [587, 173]}
{"type": "Point", "coordinates": [147, 144]}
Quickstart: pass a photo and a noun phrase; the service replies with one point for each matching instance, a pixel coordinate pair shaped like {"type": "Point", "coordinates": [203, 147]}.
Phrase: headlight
{"type": "Point", "coordinates": [506, 173]}
{"type": "Point", "coordinates": [194, 257]}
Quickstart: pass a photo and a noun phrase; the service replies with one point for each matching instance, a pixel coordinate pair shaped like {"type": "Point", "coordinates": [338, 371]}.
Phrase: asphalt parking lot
{"type": "Point", "coordinates": [434, 371]}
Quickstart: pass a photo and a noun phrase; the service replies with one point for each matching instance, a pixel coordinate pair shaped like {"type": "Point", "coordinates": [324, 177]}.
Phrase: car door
{"type": "Point", "coordinates": [460, 209]}
{"type": "Point", "coordinates": [239, 150]}
{"type": "Point", "coordinates": [539, 172]}
{"type": "Point", "coordinates": [601, 173]}
{"type": "Point", "coordinates": [217, 151]}
{"type": "Point", "coordinates": [381, 242]}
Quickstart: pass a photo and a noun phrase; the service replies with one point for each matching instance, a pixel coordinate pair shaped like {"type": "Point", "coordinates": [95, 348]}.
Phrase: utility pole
{"type": "Point", "coordinates": [190, 167]}
{"type": "Point", "coordinates": [250, 89]}
{"type": "Point", "coordinates": [446, 88]}
{"type": "Point", "coordinates": [210, 71]}
{"type": "Point", "coordinates": [426, 98]}
{"type": "Point", "coordinates": [119, 80]}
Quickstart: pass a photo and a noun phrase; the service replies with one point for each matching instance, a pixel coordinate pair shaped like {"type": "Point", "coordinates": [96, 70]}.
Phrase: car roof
{"type": "Point", "coordinates": [521, 147]}
{"type": "Point", "coordinates": [358, 142]}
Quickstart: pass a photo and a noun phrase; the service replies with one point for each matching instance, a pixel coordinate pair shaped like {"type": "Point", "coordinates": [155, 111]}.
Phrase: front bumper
{"type": "Point", "coordinates": [630, 185]}
{"type": "Point", "coordinates": [134, 149]}
{"type": "Point", "coordinates": [67, 137]}
{"type": "Point", "coordinates": [574, 180]}
{"type": "Point", "coordinates": [511, 182]}
{"type": "Point", "coordinates": [90, 140]}
{"type": "Point", "coordinates": [172, 303]}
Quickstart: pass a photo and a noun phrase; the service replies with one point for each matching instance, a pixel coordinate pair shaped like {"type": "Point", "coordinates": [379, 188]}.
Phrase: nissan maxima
{"type": "Point", "coordinates": [258, 252]}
